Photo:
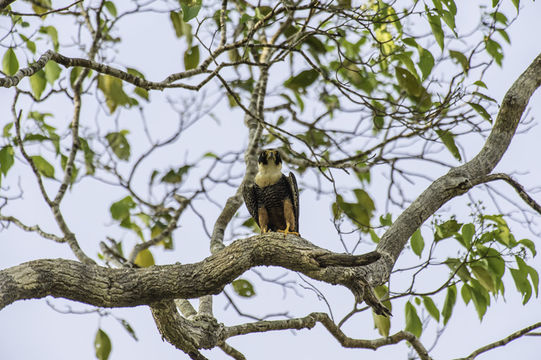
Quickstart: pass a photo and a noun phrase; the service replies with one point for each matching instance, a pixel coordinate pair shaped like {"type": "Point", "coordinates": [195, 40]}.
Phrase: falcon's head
{"type": "Point", "coordinates": [269, 166]}
{"type": "Point", "coordinates": [270, 157]}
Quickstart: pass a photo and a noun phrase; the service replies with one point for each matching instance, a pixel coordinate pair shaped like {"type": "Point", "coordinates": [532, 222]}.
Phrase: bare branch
{"type": "Point", "coordinates": [503, 341]}
{"type": "Point", "coordinates": [308, 322]}
{"type": "Point", "coordinates": [516, 185]}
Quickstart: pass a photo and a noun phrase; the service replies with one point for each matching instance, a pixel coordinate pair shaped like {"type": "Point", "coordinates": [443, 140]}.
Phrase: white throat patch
{"type": "Point", "coordinates": [268, 175]}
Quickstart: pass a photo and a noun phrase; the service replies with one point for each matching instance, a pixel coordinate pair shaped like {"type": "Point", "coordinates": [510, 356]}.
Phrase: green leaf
{"type": "Point", "coordinates": [30, 45]}
{"type": "Point", "coordinates": [484, 277]}
{"type": "Point", "coordinates": [504, 35]}
{"type": "Point", "coordinates": [111, 8]}
{"type": "Point", "coordinates": [435, 25]}
{"type": "Point", "coordinates": [360, 213]}
{"type": "Point", "coordinates": [10, 64]}
{"type": "Point", "coordinates": [190, 8]}
{"type": "Point", "coordinates": [38, 83]}
{"type": "Point", "coordinates": [534, 278]}
{"type": "Point", "coordinates": [496, 265]}
{"type": "Point", "coordinates": [6, 159]}
{"type": "Point", "coordinates": [450, 300]}
{"type": "Point", "coordinates": [382, 323]}
{"type": "Point", "coordinates": [43, 166]}
{"type": "Point", "coordinates": [120, 210]}
{"type": "Point", "coordinates": [525, 268]}
{"type": "Point", "coordinates": [408, 82]}
{"type": "Point", "coordinates": [529, 244]}
{"type": "Point", "coordinates": [191, 58]}
{"type": "Point", "coordinates": [144, 258]}
{"type": "Point", "coordinates": [417, 242]}
{"type": "Point", "coordinates": [142, 93]}
{"type": "Point", "coordinates": [460, 59]}
{"type": "Point", "coordinates": [426, 62]}
{"type": "Point", "coordinates": [126, 325]}
{"type": "Point", "coordinates": [119, 144]}
{"type": "Point", "coordinates": [386, 220]}
{"type": "Point", "coordinates": [102, 345]}
{"type": "Point", "coordinates": [176, 20]}
{"type": "Point", "coordinates": [448, 139]}
{"type": "Point", "coordinates": [243, 288]}
{"type": "Point", "coordinates": [6, 130]}
{"type": "Point", "coordinates": [446, 229]}
{"type": "Point", "coordinates": [53, 34]}
{"type": "Point", "coordinates": [466, 293]}
{"type": "Point", "coordinates": [167, 241]}
{"type": "Point", "coordinates": [517, 4]}
{"type": "Point", "coordinates": [480, 84]}
{"type": "Point", "coordinates": [495, 50]}
{"type": "Point", "coordinates": [468, 231]}
{"type": "Point", "coordinates": [302, 80]}
{"type": "Point", "coordinates": [503, 234]}
{"type": "Point", "coordinates": [52, 72]}
{"type": "Point", "coordinates": [88, 155]}
{"type": "Point", "coordinates": [520, 277]}
{"type": "Point", "coordinates": [481, 111]}
{"type": "Point", "coordinates": [431, 307]}
{"type": "Point", "coordinates": [479, 296]}
{"type": "Point", "coordinates": [375, 238]}
{"type": "Point", "coordinates": [74, 74]}
{"type": "Point", "coordinates": [113, 92]}
{"type": "Point", "coordinates": [413, 323]}
{"type": "Point", "coordinates": [457, 266]}
{"type": "Point", "coordinates": [175, 177]}
{"type": "Point", "coordinates": [405, 59]}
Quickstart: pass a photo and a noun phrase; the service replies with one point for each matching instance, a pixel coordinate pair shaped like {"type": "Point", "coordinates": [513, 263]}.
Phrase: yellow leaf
{"type": "Point", "coordinates": [144, 258]}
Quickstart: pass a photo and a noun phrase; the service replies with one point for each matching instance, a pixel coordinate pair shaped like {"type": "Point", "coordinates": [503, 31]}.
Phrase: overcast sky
{"type": "Point", "coordinates": [32, 330]}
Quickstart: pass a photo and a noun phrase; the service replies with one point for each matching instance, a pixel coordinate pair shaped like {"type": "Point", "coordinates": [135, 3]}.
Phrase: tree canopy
{"type": "Point", "coordinates": [381, 108]}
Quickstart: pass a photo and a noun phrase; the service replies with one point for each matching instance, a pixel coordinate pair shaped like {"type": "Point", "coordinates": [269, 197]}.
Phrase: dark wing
{"type": "Point", "coordinates": [250, 199]}
{"type": "Point", "coordinates": [294, 197]}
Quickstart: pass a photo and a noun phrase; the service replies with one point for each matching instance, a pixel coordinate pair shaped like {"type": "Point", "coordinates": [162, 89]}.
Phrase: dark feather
{"type": "Point", "coordinates": [272, 199]}
{"type": "Point", "coordinates": [250, 199]}
{"type": "Point", "coordinates": [294, 197]}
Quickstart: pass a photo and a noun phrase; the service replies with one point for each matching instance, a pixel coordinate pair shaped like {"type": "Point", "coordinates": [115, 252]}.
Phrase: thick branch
{"type": "Point", "coordinates": [105, 287]}
{"type": "Point", "coordinates": [460, 179]}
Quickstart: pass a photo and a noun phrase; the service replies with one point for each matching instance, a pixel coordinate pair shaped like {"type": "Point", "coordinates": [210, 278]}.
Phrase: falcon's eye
{"type": "Point", "coordinates": [277, 158]}
{"type": "Point", "coordinates": [262, 157]}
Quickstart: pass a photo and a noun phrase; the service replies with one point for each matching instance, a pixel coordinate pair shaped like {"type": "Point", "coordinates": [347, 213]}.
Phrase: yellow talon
{"type": "Point", "coordinates": [286, 231]}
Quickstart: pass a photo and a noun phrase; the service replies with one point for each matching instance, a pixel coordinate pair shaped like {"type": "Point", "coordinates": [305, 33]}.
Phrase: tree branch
{"type": "Point", "coordinates": [105, 287]}
{"type": "Point", "coordinates": [516, 185]}
{"type": "Point", "coordinates": [503, 341]}
{"type": "Point", "coordinates": [308, 322]}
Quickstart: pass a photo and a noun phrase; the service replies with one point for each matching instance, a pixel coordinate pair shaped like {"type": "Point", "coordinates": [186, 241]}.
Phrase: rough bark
{"type": "Point", "coordinates": [125, 287]}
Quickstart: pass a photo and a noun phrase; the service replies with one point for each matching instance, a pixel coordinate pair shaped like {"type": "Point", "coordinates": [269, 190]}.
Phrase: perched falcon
{"type": "Point", "coordinates": [273, 201]}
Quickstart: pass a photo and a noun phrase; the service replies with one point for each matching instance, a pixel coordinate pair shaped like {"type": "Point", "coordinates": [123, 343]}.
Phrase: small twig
{"type": "Point", "coordinates": [35, 228]}
{"type": "Point", "coordinates": [503, 341]}
{"type": "Point", "coordinates": [516, 185]}
{"type": "Point", "coordinates": [45, 13]}
{"type": "Point", "coordinates": [231, 351]}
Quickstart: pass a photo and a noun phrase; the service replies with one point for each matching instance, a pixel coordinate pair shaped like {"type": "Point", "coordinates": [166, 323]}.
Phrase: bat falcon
{"type": "Point", "coordinates": [273, 200]}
